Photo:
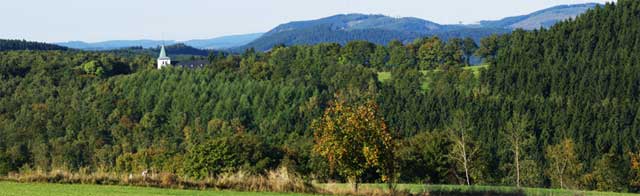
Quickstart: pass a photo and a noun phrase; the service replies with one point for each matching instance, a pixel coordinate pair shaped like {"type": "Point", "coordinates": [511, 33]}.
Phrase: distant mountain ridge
{"type": "Point", "coordinates": [213, 43]}
{"type": "Point", "coordinates": [14, 44]}
{"type": "Point", "coordinates": [543, 18]}
{"type": "Point", "coordinates": [349, 22]}
{"type": "Point", "coordinates": [342, 28]}
{"type": "Point", "coordinates": [114, 44]}
{"type": "Point", "coordinates": [381, 29]}
{"type": "Point", "coordinates": [223, 42]}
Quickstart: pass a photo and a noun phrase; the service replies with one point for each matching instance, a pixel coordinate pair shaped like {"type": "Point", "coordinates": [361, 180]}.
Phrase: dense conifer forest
{"type": "Point", "coordinates": [8, 44]}
{"type": "Point", "coordinates": [554, 107]}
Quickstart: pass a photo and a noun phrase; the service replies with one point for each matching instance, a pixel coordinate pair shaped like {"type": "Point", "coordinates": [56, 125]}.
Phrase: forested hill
{"type": "Point", "coordinates": [7, 44]}
{"type": "Point", "coordinates": [556, 107]}
{"type": "Point", "coordinates": [578, 80]}
{"type": "Point", "coordinates": [175, 51]}
{"type": "Point", "coordinates": [377, 29]}
{"type": "Point", "coordinates": [382, 29]}
{"type": "Point", "coordinates": [543, 18]}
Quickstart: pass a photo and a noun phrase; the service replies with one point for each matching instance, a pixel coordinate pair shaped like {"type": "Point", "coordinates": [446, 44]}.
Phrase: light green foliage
{"type": "Point", "coordinates": [564, 167]}
{"type": "Point", "coordinates": [385, 76]}
{"type": "Point", "coordinates": [229, 154]}
{"type": "Point", "coordinates": [464, 149]}
{"type": "Point", "coordinates": [518, 137]}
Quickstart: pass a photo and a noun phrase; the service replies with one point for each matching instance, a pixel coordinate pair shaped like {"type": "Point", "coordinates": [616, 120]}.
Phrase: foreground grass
{"type": "Point", "coordinates": [42, 189]}
{"type": "Point", "coordinates": [418, 188]}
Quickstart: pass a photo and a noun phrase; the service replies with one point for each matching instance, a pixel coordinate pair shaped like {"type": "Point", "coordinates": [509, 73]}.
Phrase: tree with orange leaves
{"type": "Point", "coordinates": [635, 169]}
{"type": "Point", "coordinates": [354, 138]}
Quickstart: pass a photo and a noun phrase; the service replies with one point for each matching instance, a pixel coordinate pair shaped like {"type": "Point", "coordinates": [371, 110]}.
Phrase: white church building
{"type": "Point", "coordinates": [163, 59]}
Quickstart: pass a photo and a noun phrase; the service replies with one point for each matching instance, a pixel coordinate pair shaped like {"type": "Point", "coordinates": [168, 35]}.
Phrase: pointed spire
{"type": "Point", "coordinates": [163, 54]}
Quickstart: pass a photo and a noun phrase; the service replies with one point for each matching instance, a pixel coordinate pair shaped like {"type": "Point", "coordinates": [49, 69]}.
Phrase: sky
{"type": "Point", "coordinates": [100, 20]}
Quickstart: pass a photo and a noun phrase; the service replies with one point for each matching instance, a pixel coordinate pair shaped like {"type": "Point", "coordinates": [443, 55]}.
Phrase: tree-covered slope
{"type": "Point", "coordinates": [587, 70]}
{"type": "Point", "coordinates": [382, 29]}
{"type": "Point", "coordinates": [377, 29]}
{"type": "Point", "coordinates": [543, 18]}
{"type": "Point", "coordinates": [7, 44]}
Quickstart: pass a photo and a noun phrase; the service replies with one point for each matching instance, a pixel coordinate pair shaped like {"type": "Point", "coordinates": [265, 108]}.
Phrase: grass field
{"type": "Point", "coordinates": [385, 76]}
{"type": "Point", "coordinates": [37, 189]}
{"type": "Point", "coordinates": [43, 189]}
{"type": "Point", "coordinates": [416, 188]}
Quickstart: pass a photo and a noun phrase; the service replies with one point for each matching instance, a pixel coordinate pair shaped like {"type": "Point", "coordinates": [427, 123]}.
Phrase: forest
{"type": "Point", "coordinates": [555, 107]}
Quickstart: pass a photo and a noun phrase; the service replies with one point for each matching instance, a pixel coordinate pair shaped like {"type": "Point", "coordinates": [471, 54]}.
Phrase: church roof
{"type": "Point", "coordinates": [163, 54]}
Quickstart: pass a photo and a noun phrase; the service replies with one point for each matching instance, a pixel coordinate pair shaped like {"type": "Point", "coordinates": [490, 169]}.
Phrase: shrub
{"type": "Point", "coordinates": [230, 154]}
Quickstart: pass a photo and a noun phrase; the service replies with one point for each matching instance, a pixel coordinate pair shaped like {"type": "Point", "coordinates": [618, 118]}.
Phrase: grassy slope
{"type": "Point", "coordinates": [35, 189]}
{"type": "Point", "coordinates": [385, 76]}
{"type": "Point", "coordinates": [414, 188]}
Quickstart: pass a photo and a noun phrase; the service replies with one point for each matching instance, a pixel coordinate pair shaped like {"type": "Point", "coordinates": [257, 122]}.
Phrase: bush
{"type": "Point", "coordinates": [230, 154]}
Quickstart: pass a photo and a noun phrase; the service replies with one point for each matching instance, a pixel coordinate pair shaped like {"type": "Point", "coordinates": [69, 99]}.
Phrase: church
{"type": "Point", "coordinates": [164, 61]}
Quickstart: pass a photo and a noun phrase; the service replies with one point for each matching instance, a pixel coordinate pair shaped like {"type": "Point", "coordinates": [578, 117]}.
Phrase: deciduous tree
{"type": "Point", "coordinates": [354, 138]}
{"type": "Point", "coordinates": [564, 167]}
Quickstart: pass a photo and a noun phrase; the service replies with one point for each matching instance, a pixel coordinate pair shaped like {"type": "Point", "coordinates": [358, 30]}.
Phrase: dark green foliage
{"type": "Point", "coordinates": [423, 158]}
{"type": "Point", "coordinates": [7, 44]}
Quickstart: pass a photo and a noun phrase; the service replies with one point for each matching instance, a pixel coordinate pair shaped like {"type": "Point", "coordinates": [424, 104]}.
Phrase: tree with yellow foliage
{"type": "Point", "coordinates": [635, 169]}
{"type": "Point", "coordinates": [564, 166]}
{"type": "Point", "coordinates": [354, 138]}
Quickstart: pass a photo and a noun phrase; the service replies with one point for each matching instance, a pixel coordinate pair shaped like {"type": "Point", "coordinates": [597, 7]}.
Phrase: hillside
{"type": "Point", "coordinates": [382, 29]}
{"type": "Point", "coordinates": [543, 18]}
{"type": "Point", "coordinates": [350, 22]}
{"type": "Point", "coordinates": [7, 44]}
{"type": "Point", "coordinates": [377, 29]}
{"type": "Point", "coordinates": [223, 42]}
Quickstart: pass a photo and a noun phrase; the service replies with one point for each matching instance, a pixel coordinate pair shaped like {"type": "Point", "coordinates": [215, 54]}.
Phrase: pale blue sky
{"type": "Point", "coordinates": [98, 20]}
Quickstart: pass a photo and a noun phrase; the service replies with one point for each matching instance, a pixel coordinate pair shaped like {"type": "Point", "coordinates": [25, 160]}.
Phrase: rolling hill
{"type": "Point", "coordinates": [10, 44]}
{"type": "Point", "coordinates": [543, 18]}
{"type": "Point", "coordinates": [213, 43]}
{"type": "Point", "coordinates": [381, 29]}
{"type": "Point", "coordinates": [223, 42]}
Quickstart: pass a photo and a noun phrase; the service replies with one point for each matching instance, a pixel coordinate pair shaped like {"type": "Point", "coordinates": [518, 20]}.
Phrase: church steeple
{"type": "Point", "coordinates": [163, 59]}
{"type": "Point", "coordinates": [163, 54]}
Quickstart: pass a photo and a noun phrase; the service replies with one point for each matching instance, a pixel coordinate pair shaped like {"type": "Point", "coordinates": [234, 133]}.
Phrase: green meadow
{"type": "Point", "coordinates": [44, 189]}
{"type": "Point", "coordinates": [385, 75]}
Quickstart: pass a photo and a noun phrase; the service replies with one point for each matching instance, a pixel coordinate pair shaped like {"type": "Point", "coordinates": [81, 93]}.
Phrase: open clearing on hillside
{"type": "Point", "coordinates": [385, 76]}
{"type": "Point", "coordinates": [37, 189]}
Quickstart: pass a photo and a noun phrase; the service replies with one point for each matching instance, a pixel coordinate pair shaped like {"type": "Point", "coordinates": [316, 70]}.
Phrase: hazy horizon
{"type": "Point", "coordinates": [78, 20]}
